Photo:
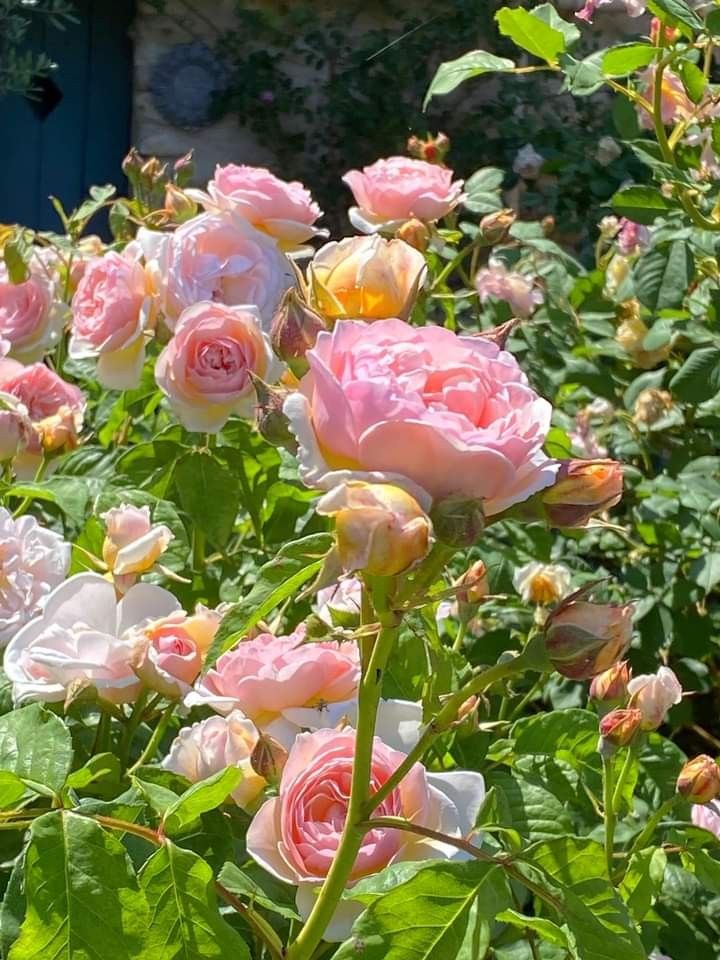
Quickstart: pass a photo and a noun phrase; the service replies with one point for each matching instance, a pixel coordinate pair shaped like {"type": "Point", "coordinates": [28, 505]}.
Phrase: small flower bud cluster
{"type": "Point", "coordinates": [632, 705]}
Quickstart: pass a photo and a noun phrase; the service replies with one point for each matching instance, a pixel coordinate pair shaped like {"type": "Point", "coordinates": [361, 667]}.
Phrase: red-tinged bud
{"type": "Point", "coordinates": [132, 165]}
{"type": "Point", "coordinates": [153, 172]}
{"type": "Point", "coordinates": [458, 521]}
{"type": "Point", "coordinates": [473, 585]}
{"type": "Point", "coordinates": [494, 227]}
{"type": "Point", "coordinates": [501, 334]}
{"type": "Point", "coordinates": [582, 489]}
{"type": "Point", "coordinates": [294, 331]}
{"type": "Point", "coordinates": [271, 422]}
{"type": "Point", "coordinates": [548, 225]}
{"type": "Point", "coordinates": [268, 759]}
{"type": "Point", "coordinates": [699, 780]}
{"type": "Point", "coordinates": [611, 686]}
{"type": "Point", "coordinates": [184, 169]}
{"type": "Point", "coordinates": [415, 233]}
{"type": "Point", "coordinates": [583, 639]}
{"type": "Point", "coordinates": [671, 33]}
{"type": "Point", "coordinates": [431, 150]}
{"type": "Point", "coordinates": [620, 727]}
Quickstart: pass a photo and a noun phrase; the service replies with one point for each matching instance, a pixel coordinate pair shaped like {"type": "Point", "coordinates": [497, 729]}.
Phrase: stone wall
{"type": "Point", "coordinates": [173, 67]}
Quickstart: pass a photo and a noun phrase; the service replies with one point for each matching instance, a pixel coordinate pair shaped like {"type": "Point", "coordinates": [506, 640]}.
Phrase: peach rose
{"type": "Point", "coordinates": [56, 408]}
{"type": "Point", "coordinates": [165, 656]}
{"type": "Point", "coordinates": [205, 369]}
{"type": "Point", "coordinates": [365, 278]}
{"type": "Point", "coordinates": [675, 103]}
{"type": "Point", "coordinates": [440, 414]}
{"type": "Point", "coordinates": [31, 319]}
{"type": "Point", "coordinates": [111, 311]}
{"type": "Point", "coordinates": [272, 678]}
{"type": "Point", "coordinates": [210, 746]}
{"type": "Point", "coordinates": [396, 189]}
{"type": "Point", "coordinates": [133, 543]}
{"type": "Point", "coordinates": [295, 835]}
{"type": "Point", "coordinates": [285, 210]}
{"type": "Point", "coordinates": [219, 257]}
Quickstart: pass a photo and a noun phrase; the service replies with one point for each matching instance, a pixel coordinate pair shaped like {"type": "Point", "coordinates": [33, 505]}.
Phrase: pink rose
{"type": "Point", "coordinates": [707, 817]}
{"type": "Point", "coordinates": [674, 102]}
{"type": "Point", "coordinates": [133, 543]}
{"type": "Point", "coordinates": [16, 431]}
{"type": "Point", "coordinates": [272, 679]}
{"type": "Point", "coordinates": [210, 746]}
{"type": "Point", "coordinates": [496, 282]}
{"type": "Point", "coordinates": [295, 835]}
{"type": "Point", "coordinates": [56, 408]}
{"type": "Point", "coordinates": [112, 309]}
{"type": "Point", "coordinates": [423, 408]}
{"type": "Point", "coordinates": [654, 694]}
{"type": "Point", "coordinates": [205, 369]}
{"type": "Point", "coordinates": [220, 257]}
{"type": "Point", "coordinates": [165, 656]}
{"type": "Point", "coordinates": [391, 191]}
{"type": "Point", "coordinates": [285, 210]}
{"type": "Point", "coordinates": [31, 320]}
{"type": "Point", "coordinates": [83, 637]}
{"type": "Point", "coordinates": [632, 237]}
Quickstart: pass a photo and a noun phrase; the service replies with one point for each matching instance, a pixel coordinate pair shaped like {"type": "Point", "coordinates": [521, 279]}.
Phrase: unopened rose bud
{"type": "Point", "coordinates": [651, 406]}
{"type": "Point", "coordinates": [611, 685]}
{"type": "Point", "coordinates": [431, 150]}
{"type": "Point", "coordinates": [132, 165]}
{"type": "Point", "coordinates": [501, 334]}
{"type": "Point", "coordinates": [61, 429]}
{"type": "Point", "coordinates": [416, 233]}
{"type": "Point", "coordinates": [133, 543]}
{"type": "Point", "coordinates": [654, 694]}
{"type": "Point", "coordinates": [458, 521]}
{"type": "Point", "coordinates": [294, 331]}
{"type": "Point", "coordinates": [184, 169]}
{"type": "Point", "coordinates": [548, 225]}
{"type": "Point", "coordinates": [178, 205]}
{"type": "Point", "coordinates": [699, 780]}
{"type": "Point", "coordinates": [620, 727]}
{"type": "Point", "coordinates": [268, 759]}
{"type": "Point", "coordinates": [494, 227]}
{"type": "Point", "coordinates": [583, 488]}
{"type": "Point", "coordinates": [671, 34]}
{"type": "Point", "coordinates": [271, 422]}
{"type": "Point", "coordinates": [473, 584]}
{"type": "Point", "coordinates": [467, 710]}
{"type": "Point", "coordinates": [583, 639]}
{"type": "Point", "coordinates": [153, 171]}
{"type": "Point", "coordinates": [379, 528]}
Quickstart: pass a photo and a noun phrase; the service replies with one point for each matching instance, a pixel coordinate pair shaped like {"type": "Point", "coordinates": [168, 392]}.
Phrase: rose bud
{"type": "Point", "coordinates": [271, 422]}
{"type": "Point", "coordinates": [431, 150]}
{"type": "Point", "coordinates": [653, 694]}
{"type": "Point", "coordinates": [379, 528]}
{"type": "Point", "coordinates": [132, 165]}
{"type": "Point", "coordinates": [611, 685]}
{"type": "Point", "coordinates": [671, 34]}
{"type": "Point", "coordinates": [582, 489]}
{"type": "Point", "coordinates": [184, 169]}
{"type": "Point", "coordinates": [619, 727]}
{"type": "Point", "coordinates": [133, 543]}
{"type": "Point", "coordinates": [473, 584]}
{"type": "Point", "coordinates": [583, 639]}
{"type": "Point", "coordinates": [494, 227]}
{"type": "Point", "coordinates": [415, 233]}
{"type": "Point", "coordinates": [458, 521]}
{"type": "Point", "coordinates": [61, 429]}
{"type": "Point", "coordinates": [499, 335]}
{"type": "Point", "coordinates": [651, 405]}
{"type": "Point", "coordinates": [294, 331]}
{"type": "Point", "coordinates": [165, 656]}
{"type": "Point", "coordinates": [699, 780]}
{"type": "Point", "coordinates": [178, 205]}
{"type": "Point", "coordinates": [268, 759]}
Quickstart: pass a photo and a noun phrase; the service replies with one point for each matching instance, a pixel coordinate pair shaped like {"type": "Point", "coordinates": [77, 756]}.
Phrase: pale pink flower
{"type": "Point", "coordinates": [220, 257]}
{"type": "Point", "coordinates": [280, 682]}
{"type": "Point", "coordinates": [16, 431]}
{"type": "Point", "coordinates": [31, 319]}
{"type": "Point", "coordinates": [344, 599]}
{"type": "Point", "coordinates": [633, 8]}
{"type": "Point", "coordinates": [295, 836]}
{"type": "Point", "coordinates": [653, 694]}
{"type": "Point", "coordinates": [34, 561]}
{"type": "Point", "coordinates": [112, 311]}
{"type": "Point", "coordinates": [56, 408]}
{"type": "Point", "coordinates": [210, 746]}
{"type": "Point", "coordinates": [133, 543]}
{"type": "Point", "coordinates": [675, 103]}
{"type": "Point", "coordinates": [396, 189]}
{"type": "Point", "coordinates": [83, 637]}
{"type": "Point", "coordinates": [424, 408]}
{"type": "Point", "coordinates": [165, 655]}
{"type": "Point", "coordinates": [706, 816]}
{"type": "Point", "coordinates": [632, 237]}
{"type": "Point", "coordinates": [285, 210]}
{"type": "Point", "coordinates": [496, 282]}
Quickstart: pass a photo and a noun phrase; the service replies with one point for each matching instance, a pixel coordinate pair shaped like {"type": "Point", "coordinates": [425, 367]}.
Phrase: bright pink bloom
{"type": "Point", "coordinates": [31, 320]}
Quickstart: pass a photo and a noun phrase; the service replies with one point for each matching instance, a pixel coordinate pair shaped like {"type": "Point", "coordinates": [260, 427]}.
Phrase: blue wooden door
{"type": "Point", "coordinates": [79, 132]}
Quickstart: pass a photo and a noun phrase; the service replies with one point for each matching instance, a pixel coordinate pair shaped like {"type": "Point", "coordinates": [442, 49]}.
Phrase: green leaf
{"type": "Point", "coordinates": [548, 14]}
{"type": "Point", "coordinates": [427, 917]}
{"type": "Point", "coordinates": [482, 190]}
{"type": "Point", "coordinates": [83, 899]}
{"type": "Point", "coordinates": [545, 929]}
{"type": "Point", "coordinates": [36, 745]}
{"type": "Point", "coordinates": [103, 766]}
{"type": "Point", "coordinates": [693, 79]}
{"type": "Point", "coordinates": [531, 33]}
{"type": "Point", "coordinates": [642, 204]}
{"type": "Point", "coordinates": [627, 58]}
{"type": "Point", "coordinates": [16, 254]}
{"type": "Point", "coordinates": [12, 910]}
{"type": "Point", "coordinates": [643, 881]}
{"type": "Point", "coordinates": [12, 790]}
{"type": "Point", "coordinates": [250, 892]}
{"type": "Point", "coordinates": [295, 564]}
{"type": "Point", "coordinates": [209, 494]}
{"type": "Point", "coordinates": [583, 77]}
{"type": "Point", "coordinates": [70, 494]}
{"type": "Point", "coordinates": [712, 22]}
{"type": "Point", "coordinates": [705, 571]}
{"type": "Point", "coordinates": [675, 12]}
{"type": "Point", "coordinates": [201, 797]}
{"type": "Point", "coordinates": [698, 379]}
{"type": "Point", "coordinates": [180, 890]}
{"type": "Point", "coordinates": [705, 868]}
{"type": "Point", "coordinates": [662, 276]}
{"type": "Point", "coordinates": [452, 73]}
{"type": "Point", "coordinates": [99, 196]}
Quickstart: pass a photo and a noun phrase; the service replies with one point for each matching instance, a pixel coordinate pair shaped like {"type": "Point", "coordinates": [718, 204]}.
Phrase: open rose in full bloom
{"type": "Point", "coordinates": [654, 694]}
{"type": "Point", "coordinates": [31, 318]}
{"type": "Point", "coordinates": [220, 257]}
{"type": "Point", "coordinates": [83, 637]}
{"type": "Point", "coordinates": [33, 561]}
{"type": "Point", "coordinates": [396, 189]}
{"type": "Point", "coordinates": [542, 583]}
{"type": "Point", "coordinates": [205, 369]}
{"type": "Point", "coordinates": [295, 835]}
{"type": "Point", "coordinates": [210, 746]}
{"type": "Point", "coordinates": [441, 414]}
{"type": "Point", "coordinates": [285, 210]}
{"type": "Point", "coordinates": [274, 680]}
{"type": "Point", "coordinates": [112, 310]}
